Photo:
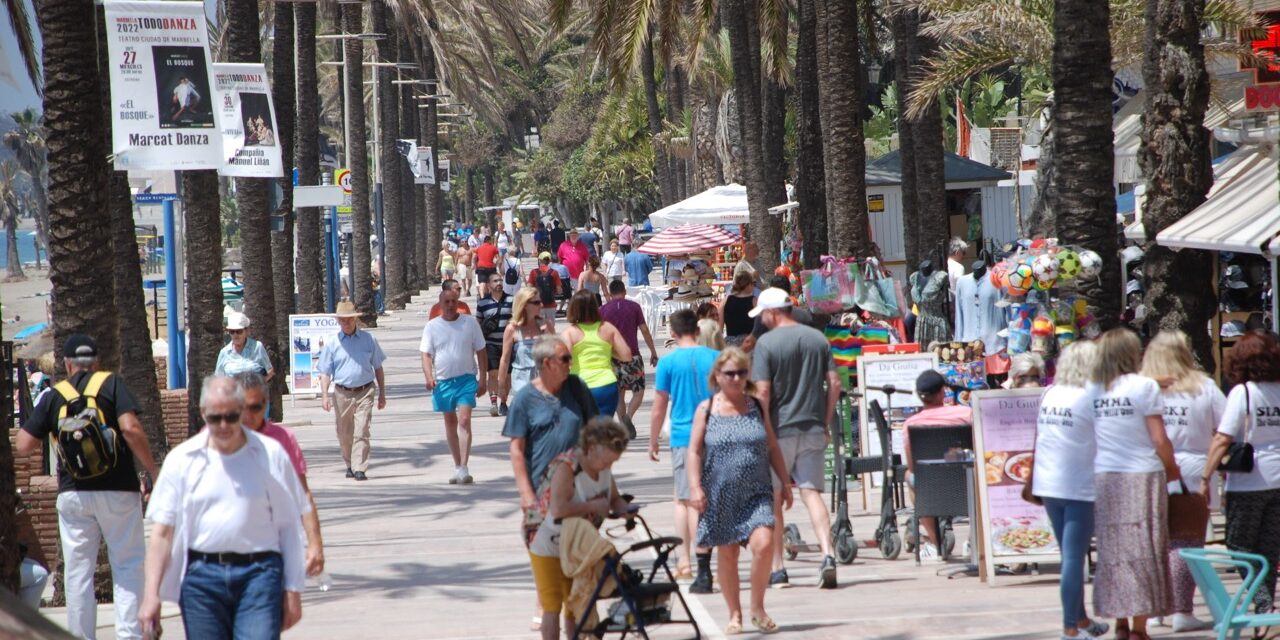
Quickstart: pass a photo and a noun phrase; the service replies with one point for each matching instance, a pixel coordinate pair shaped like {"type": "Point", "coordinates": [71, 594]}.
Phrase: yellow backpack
{"type": "Point", "coordinates": [86, 444]}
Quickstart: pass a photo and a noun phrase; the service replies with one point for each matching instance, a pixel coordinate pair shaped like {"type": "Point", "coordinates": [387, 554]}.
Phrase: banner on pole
{"type": "Point", "coordinates": [426, 172]}
{"type": "Point", "coordinates": [162, 112]}
{"type": "Point", "coordinates": [248, 120]}
{"type": "Point", "coordinates": [442, 173]}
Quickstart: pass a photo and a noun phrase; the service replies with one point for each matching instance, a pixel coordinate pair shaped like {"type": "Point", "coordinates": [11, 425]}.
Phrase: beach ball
{"type": "Point", "coordinates": [1045, 268]}
{"type": "Point", "coordinates": [1020, 280]}
{"type": "Point", "coordinates": [1090, 264]}
{"type": "Point", "coordinates": [997, 273]}
{"type": "Point", "coordinates": [1068, 264]}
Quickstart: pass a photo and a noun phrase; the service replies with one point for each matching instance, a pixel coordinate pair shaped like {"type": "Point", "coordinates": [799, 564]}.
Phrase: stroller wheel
{"type": "Point", "coordinates": [791, 541]}
{"type": "Point", "coordinates": [890, 545]}
{"type": "Point", "coordinates": [846, 548]}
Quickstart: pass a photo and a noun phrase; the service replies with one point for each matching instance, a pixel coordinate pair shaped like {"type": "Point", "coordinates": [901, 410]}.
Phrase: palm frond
{"type": "Point", "coordinates": [632, 33]}
{"type": "Point", "coordinates": [704, 13]}
{"type": "Point", "coordinates": [773, 40]}
{"type": "Point", "coordinates": [20, 20]}
{"type": "Point", "coordinates": [950, 66]}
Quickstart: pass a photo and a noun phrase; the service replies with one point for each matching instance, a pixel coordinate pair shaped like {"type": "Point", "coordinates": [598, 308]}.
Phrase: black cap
{"type": "Point", "coordinates": [79, 346]}
{"type": "Point", "coordinates": [930, 382]}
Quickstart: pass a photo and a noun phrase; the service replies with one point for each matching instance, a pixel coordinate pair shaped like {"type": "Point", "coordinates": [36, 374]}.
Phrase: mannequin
{"type": "Point", "coordinates": [979, 269]}
{"type": "Point", "coordinates": [930, 290]}
{"type": "Point", "coordinates": [978, 317]}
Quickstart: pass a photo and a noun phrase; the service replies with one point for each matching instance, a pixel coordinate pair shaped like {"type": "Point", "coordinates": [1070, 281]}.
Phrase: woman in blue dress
{"type": "Point", "coordinates": [731, 451]}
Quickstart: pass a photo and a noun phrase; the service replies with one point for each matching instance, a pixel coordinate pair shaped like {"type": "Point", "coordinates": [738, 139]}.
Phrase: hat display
{"type": "Point", "coordinates": [1233, 329]}
{"type": "Point", "coordinates": [346, 309]}
{"type": "Point", "coordinates": [771, 298]}
{"type": "Point", "coordinates": [237, 321]}
{"type": "Point", "coordinates": [79, 346]}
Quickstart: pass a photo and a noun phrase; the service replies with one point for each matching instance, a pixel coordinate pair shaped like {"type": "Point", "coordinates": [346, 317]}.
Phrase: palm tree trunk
{"type": "Point", "coordinates": [1041, 220]}
{"type": "Point", "coordinates": [1175, 159]}
{"type": "Point", "coordinates": [1086, 205]}
{"type": "Point", "coordinates": [358, 160]}
{"type": "Point", "coordinates": [810, 173]}
{"type": "Point", "coordinates": [389, 160]}
{"type": "Point", "coordinates": [410, 191]}
{"type": "Point", "coordinates": [282, 242]}
{"type": "Point", "coordinates": [843, 149]}
{"type": "Point", "coordinates": [13, 266]}
{"type": "Point", "coordinates": [662, 169]}
{"type": "Point", "coordinates": [83, 291]}
{"type": "Point", "coordinates": [309, 265]}
{"type": "Point", "coordinates": [706, 164]}
{"type": "Point", "coordinates": [904, 24]}
{"type": "Point", "coordinates": [933, 223]}
{"type": "Point", "coordinates": [203, 251]}
{"type": "Point", "coordinates": [740, 17]}
{"type": "Point", "coordinates": [433, 218]}
{"type": "Point", "coordinates": [244, 45]}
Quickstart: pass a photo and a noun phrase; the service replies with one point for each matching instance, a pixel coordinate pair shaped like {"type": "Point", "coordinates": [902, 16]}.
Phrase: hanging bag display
{"type": "Point", "coordinates": [822, 287]}
{"type": "Point", "coordinates": [876, 293]}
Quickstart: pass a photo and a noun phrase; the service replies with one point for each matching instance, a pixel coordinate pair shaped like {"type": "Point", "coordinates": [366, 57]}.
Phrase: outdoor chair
{"type": "Point", "coordinates": [940, 486]}
{"type": "Point", "coordinates": [1230, 613]}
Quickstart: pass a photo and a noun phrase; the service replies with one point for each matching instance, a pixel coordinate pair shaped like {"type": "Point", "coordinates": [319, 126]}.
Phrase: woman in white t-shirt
{"type": "Point", "coordinates": [614, 266]}
{"type": "Point", "coordinates": [1132, 467]}
{"type": "Point", "coordinates": [1252, 415]}
{"type": "Point", "coordinates": [582, 486]}
{"type": "Point", "coordinates": [1062, 478]}
{"type": "Point", "coordinates": [1192, 408]}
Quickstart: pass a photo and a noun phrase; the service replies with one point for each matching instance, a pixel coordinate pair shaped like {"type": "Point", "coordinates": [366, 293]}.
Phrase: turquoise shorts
{"type": "Point", "coordinates": [453, 393]}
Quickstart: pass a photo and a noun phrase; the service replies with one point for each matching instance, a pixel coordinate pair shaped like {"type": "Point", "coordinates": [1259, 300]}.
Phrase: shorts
{"type": "Point", "coordinates": [804, 455]}
{"type": "Point", "coordinates": [679, 473]}
{"type": "Point", "coordinates": [448, 273]}
{"type": "Point", "coordinates": [484, 273]}
{"type": "Point", "coordinates": [494, 354]}
{"type": "Point", "coordinates": [454, 392]}
{"type": "Point", "coordinates": [464, 272]}
{"type": "Point", "coordinates": [630, 374]}
{"type": "Point", "coordinates": [553, 585]}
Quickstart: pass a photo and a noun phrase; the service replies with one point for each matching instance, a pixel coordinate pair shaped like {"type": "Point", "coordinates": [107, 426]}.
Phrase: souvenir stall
{"type": "Point", "coordinates": [694, 257]}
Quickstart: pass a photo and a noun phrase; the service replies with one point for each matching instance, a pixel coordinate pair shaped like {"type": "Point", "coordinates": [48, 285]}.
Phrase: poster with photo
{"type": "Point", "coordinates": [442, 173]}
{"type": "Point", "coordinates": [426, 173]}
{"type": "Point", "coordinates": [249, 142]}
{"type": "Point", "coordinates": [1004, 438]}
{"type": "Point", "coordinates": [308, 333]}
{"type": "Point", "coordinates": [164, 114]}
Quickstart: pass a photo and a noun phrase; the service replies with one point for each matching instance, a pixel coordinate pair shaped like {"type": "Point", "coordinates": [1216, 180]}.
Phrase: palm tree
{"type": "Point", "coordinates": [810, 174]}
{"type": "Point", "coordinates": [282, 242]}
{"type": "Point", "coordinates": [904, 24]}
{"type": "Point", "coordinates": [433, 202]}
{"type": "Point", "coordinates": [82, 288]}
{"type": "Point", "coordinates": [203, 250]}
{"type": "Point", "coordinates": [389, 160]}
{"type": "Point", "coordinates": [26, 140]}
{"type": "Point", "coordinates": [1086, 204]}
{"type": "Point", "coordinates": [1174, 157]}
{"type": "Point", "coordinates": [309, 263]}
{"type": "Point", "coordinates": [9, 174]}
{"type": "Point", "coordinates": [840, 98]}
{"type": "Point", "coordinates": [358, 161]}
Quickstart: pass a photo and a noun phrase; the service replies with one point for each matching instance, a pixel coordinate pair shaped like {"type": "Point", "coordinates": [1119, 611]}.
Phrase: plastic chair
{"type": "Point", "coordinates": [1230, 613]}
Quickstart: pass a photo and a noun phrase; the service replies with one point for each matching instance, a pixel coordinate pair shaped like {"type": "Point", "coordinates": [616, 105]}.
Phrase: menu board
{"type": "Point", "coordinates": [1004, 437]}
{"type": "Point", "coordinates": [879, 371]}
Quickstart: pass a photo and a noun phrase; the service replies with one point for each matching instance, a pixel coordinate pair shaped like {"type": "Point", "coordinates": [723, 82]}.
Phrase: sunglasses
{"type": "Point", "coordinates": [565, 358]}
{"type": "Point", "coordinates": [235, 332]}
{"type": "Point", "coordinates": [734, 374]}
{"type": "Point", "coordinates": [256, 407]}
{"type": "Point", "coordinates": [215, 418]}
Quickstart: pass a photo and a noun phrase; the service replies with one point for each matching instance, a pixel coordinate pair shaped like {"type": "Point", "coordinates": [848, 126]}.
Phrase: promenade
{"type": "Point", "coordinates": [413, 557]}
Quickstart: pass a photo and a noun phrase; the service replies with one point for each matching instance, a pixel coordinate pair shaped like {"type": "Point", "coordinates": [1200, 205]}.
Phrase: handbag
{"type": "Point", "coordinates": [822, 288]}
{"type": "Point", "coordinates": [1188, 515]}
{"type": "Point", "coordinates": [876, 294]}
{"type": "Point", "coordinates": [1239, 457]}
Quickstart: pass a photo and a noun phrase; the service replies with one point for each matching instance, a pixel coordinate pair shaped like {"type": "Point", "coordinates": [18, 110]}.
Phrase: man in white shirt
{"type": "Point", "coordinates": [227, 541]}
{"type": "Point", "coordinates": [955, 261]}
{"type": "Point", "coordinates": [455, 366]}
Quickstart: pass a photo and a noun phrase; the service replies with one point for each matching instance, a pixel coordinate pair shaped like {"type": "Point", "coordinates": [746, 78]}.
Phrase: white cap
{"type": "Point", "coordinates": [771, 298]}
{"type": "Point", "coordinates": [237, 320]}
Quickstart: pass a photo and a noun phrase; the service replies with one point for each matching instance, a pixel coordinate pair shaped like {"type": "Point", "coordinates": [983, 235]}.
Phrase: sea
{"type": "Point", "coordinates": [26, 249]}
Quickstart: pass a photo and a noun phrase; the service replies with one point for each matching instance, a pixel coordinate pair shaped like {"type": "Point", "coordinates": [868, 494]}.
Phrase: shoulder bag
{"type": "Point", "coordinates": [1239, 457]}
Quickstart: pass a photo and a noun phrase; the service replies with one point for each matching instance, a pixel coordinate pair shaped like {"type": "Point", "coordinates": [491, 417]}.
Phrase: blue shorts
{"type": "Point", "coordinates": [453, 393]}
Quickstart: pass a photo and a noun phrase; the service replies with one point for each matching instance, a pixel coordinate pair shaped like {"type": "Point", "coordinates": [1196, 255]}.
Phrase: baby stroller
{"type": "Point", "coordinates": [644, 599]}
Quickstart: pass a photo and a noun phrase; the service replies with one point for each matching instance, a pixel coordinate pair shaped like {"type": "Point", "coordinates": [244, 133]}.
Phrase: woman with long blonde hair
{"type": "Point", "coordinates": [1133, 464]}
{"type": "Point", "coordinates": [517, 366]}
{"type": "Point", "coordinates": [709, 334]}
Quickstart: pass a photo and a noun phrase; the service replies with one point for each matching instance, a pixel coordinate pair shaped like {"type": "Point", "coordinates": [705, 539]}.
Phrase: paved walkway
{"type": "Point", "coordinates": [414, 557]}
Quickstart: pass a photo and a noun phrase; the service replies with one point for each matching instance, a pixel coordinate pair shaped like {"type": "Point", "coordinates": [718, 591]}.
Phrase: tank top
{"type": "Point", "coordinates": [593, 358]}
{"type": "Point", "coordinates": [446, 261]}
{"type": "Point", "coordinates": [546, 542]}
{"type": "Point", "coordinates": [523, 368]}
{"type": "Point", "coordinates": [737, 322]}
{"type": "Point", "coordinates": [593, 287]}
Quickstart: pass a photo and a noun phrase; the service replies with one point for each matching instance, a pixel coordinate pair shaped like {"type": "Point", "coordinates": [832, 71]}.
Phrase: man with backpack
{"type": "Point", "coordinates": [494, 313]}
{"type": "Point", "coordinates": [93, 419]}
{"type": "Point", "coordinates": [547, 282]}
{"type": "Point", "coordinates": [509, 269]}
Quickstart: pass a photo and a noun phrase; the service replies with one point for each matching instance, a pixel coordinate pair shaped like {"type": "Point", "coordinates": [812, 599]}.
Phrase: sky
{"type": "Point", "coordinates": [16, 92]}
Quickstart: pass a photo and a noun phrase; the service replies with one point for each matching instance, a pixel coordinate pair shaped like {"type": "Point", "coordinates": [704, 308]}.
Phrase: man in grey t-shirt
{"type": "Point", "coordinates": [789, 364]}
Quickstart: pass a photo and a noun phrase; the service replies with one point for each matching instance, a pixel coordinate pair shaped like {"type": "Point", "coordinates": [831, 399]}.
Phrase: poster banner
{"type": "Point", "coordinates": [442, 173]}
{"type": "Point", "coordinates": [308, 333]}
{"type": "Point", "coordinates": [1004, 436]}
{"type": "Point", "coordinates": [426, 172]}
{"type": "Point", "coordinates": [163, 114]}
{"type": "Point", "coordinates": [248, 121]}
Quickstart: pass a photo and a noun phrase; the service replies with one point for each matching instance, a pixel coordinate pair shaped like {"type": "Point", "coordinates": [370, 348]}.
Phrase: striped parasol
{"type": "Point", "coordinates": [687, 238]}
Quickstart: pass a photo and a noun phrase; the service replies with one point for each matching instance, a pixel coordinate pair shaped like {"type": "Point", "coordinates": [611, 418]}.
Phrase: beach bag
{"type": "Point", "coordinates": [1239, 457]}
{"type": "Point", "coordinates": [875, 294]}
{"type": "Point", "coordinates": [822, 287]}
{"type": "Point", "coordinates": [1188, 515]}
{"type": "Point", "coordinates": [86, 444]}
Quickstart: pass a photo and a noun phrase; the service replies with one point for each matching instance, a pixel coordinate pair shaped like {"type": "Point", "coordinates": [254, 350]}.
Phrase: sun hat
{"type": "Point", "coordinates": [237, 321]}
{"type": "Point", "coordinates": [346, 309]}
{"type": "Point", "coordinates": [770, 298]}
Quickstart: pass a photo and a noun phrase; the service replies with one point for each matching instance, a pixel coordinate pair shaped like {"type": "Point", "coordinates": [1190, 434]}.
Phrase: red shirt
{"type": "Point", "coordinates": [555, 277]}
{"type": "Point", "coordinates": [573, 257]}
{"type": "Point", "coordinates": [486, 254]}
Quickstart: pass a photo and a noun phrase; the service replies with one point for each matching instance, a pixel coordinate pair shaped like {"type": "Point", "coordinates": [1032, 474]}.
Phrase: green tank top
{"type": "Point", "coordinates": [593, 358]}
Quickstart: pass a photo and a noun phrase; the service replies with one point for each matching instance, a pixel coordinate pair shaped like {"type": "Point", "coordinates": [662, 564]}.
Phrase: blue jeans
{"type": "Point", "coordinates": [1073, 527]}
{"type": "Point", "coordinates": [606, 398]}
{"type": "Point", "coordinates": [222, 601]}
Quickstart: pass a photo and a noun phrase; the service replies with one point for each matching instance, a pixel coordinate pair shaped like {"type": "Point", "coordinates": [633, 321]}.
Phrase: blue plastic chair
{"type": "Point", "coordinates": [1230, 612]}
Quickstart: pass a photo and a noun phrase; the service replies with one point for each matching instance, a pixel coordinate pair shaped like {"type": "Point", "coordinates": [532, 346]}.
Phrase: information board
{"type": "Point", "coordinates": [308, 333]}
{"type": "Point", "coordinates": [881, 370]}
{"type": "Point", "coordinates": [1004, 437]}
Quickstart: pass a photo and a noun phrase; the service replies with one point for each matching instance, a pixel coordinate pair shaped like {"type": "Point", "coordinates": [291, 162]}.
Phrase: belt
{"type": "Point", "coordinates": [359, 388]}
{"type": "Point", "coordinates": [236, 559]}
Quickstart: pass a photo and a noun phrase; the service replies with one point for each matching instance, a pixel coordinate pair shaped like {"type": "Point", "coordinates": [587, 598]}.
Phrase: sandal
{"type": "Point", "coordinates": [685, 573]}
{"type": "Point", "coordinates": [764, 624]}
{"type": "Point", "coordinates": [733, 628]}
{"type": "Point", "coordinates": [536, 625]}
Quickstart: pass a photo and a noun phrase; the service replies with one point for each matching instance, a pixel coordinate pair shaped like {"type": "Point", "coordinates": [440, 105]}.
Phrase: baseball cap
{"type": "Point", "coordinates": [237, 321]}
{"type": "Point", "coordinates": [79, 346]}
{"type": "Point", "coordinates": [930, 382]}
{"type": "Point", "coordinates": [545, 255]}
{"type": "Point", "coordinates": [770, 299]}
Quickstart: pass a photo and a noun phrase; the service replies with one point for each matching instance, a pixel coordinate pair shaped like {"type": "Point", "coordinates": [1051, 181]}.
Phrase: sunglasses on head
{"type": "Point", "coordinates": [734, 374]}
{"type": "Point", "coordinates": [214, 418]}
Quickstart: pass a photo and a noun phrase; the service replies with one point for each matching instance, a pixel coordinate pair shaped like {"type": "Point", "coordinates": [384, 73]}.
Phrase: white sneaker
{"type": "Point", "coordinates": [457, 476]}
{"type": "Point", "coordinates": [1187, 622]}
{"type": "Point", "coordinates": [464, 475]}
{"type": "Point", "coordinates": [929, 554]}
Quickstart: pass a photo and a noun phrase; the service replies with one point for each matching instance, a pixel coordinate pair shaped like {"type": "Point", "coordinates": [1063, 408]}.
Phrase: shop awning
{"type": "Point", "coordinates": [687, 238]}
{"type": "Point", "coordinates": [725, 204]}
{"type": "Point", "coordinates": [1242, 212]}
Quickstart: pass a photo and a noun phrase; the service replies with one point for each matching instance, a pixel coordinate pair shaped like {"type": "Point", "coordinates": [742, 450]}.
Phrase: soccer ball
{"type": "Point", "coordinates": [1020, 280]}
{"type": "Point", "coordinates": [1068, 264]}
{"type": "Point", "coordinates": [1045, 268]}
{"type": "Point", "coordinates": [1090, 264]}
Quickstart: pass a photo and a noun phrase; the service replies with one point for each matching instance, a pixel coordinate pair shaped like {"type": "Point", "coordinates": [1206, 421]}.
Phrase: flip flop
{"type": "Point", "coordinates": [684, 574]}
{"type": "Point", "coordinates": [764, 624]}
{"type": "Point", "coordinates": [733, 628]}
{"type": "Point", "coordinates": [536, 625]}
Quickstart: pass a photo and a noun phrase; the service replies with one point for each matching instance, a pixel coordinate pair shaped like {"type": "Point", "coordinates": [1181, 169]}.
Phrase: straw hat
{"type": "Point", "coordinates": [346, 309]}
